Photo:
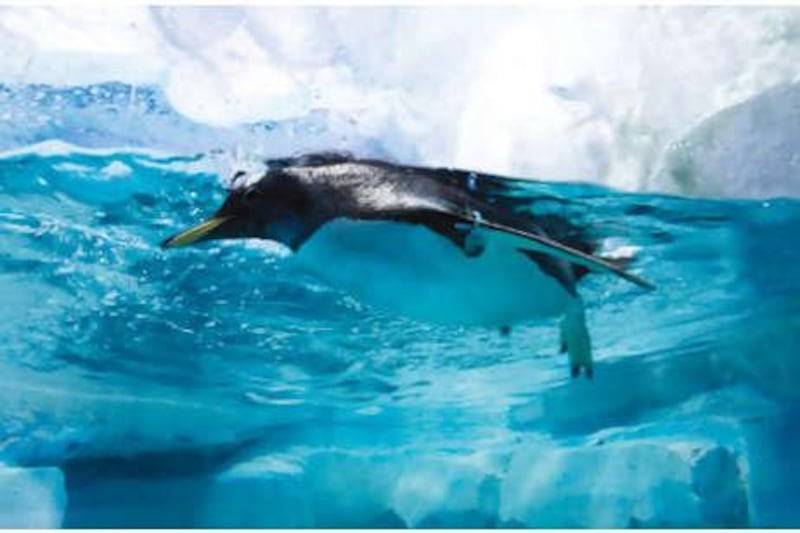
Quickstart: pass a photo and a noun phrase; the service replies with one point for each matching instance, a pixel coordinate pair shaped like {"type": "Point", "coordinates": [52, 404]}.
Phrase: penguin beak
{"type": "Point", "coordinates": [198, 233]}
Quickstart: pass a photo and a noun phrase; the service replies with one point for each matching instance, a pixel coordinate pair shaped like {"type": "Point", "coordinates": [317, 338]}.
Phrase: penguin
{"type": "Point", "coordinates": [440, 245]}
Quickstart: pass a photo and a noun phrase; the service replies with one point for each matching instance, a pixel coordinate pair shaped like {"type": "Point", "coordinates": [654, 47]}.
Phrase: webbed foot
{"type": "Point", "coordinates": [575, 338]}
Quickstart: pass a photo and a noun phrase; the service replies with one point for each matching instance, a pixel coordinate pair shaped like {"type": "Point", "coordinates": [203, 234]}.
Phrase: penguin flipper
{"type": "Point", "coordinates": [445, 221]}
{"type": "Point", "coordinates": [542, 243]}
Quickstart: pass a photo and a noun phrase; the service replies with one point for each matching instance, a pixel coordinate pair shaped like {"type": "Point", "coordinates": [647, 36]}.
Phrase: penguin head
{"type": "Point", "coordinates": [276, 207]}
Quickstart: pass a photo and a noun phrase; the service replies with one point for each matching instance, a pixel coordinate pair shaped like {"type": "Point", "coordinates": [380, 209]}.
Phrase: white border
{"type": "Point", "coordinates": [418, 3]}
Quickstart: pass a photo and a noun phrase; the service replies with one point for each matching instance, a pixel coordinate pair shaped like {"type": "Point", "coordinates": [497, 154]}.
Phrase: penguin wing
{"type": "Point", "coordinates": [443, 218]}
{"type": "Point", "coordinates": [543, 244]}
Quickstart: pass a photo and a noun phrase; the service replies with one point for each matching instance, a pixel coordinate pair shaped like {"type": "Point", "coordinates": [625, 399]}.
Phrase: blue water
{"type": "Point", "coordinates": [213, 386]}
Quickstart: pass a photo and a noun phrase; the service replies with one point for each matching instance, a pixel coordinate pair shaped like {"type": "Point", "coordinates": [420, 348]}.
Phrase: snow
{"type": "Point", "coordinates": [574, 93]}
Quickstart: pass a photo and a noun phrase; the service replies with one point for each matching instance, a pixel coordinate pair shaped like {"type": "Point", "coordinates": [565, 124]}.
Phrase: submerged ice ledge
{"type": "Point", "coordinates": [668, 478]}
{"type": "Point", "coordinates": [32, 497]}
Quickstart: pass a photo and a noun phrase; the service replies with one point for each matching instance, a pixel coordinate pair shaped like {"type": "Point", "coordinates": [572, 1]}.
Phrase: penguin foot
{"type": "Point", "coordinates": [474, 244]}
{"type": "Point", "coordinates": [470, 239]}
{"type": "Point", "coordinates": [575, 338]}
{"type": "Point", "coordinates": [575, 371]}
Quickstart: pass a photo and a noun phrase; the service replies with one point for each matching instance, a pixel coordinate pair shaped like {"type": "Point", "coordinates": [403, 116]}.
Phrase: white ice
{"type": "Point", "coordinates": [579, 93]}
{"type": "Point", "coordinates": [31, 497]}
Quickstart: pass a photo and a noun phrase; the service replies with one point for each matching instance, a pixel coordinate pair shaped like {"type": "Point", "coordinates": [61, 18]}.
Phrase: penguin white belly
{"type": "Point", "coordinates": [412, 271]}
